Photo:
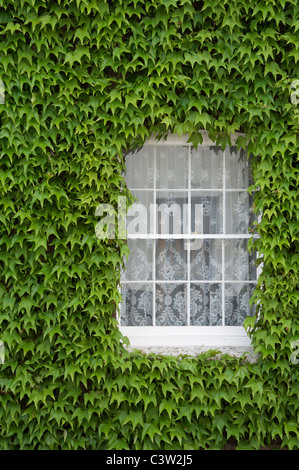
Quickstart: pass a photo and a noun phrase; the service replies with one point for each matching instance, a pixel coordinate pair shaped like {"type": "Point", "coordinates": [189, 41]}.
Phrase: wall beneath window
{"type": "Point", "coordinates": [235, 351]}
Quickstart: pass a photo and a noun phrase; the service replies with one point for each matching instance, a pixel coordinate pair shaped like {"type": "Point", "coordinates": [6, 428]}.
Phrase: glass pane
{"type": "Point", "coordinates": [172, 212]}
{"type": "Point", "coordinates": [239, 263]}
{"type": "Point", "coordinates": [237, 169]}
{"type": "Point", "coordinates": [140, 215]}
{"type": "Point", "coordinates": [139, 265]}
{"type": "Point", "coordinates": [171, 304]}
{"type": "Point", "coordinates": [207, 167]}
{"type": "Point", "coordinates": [206, 305]}
{"type": "Point", "coordinates": [207, 212]}
{"type": "Point", "coordinates": [171, 260]}
{"type": "Point", "coordinates": [206, 260]}
{"type": "Point", "coordinates": [239, 212]}
{"type": "Point", "coordinates": [172, 167]}
{"type": "Point", "coordinates": [137, 306]}
{"type": "Point", "coordinates": [140, 168]}
{"type": "Point", "coordinates": [237, 306]}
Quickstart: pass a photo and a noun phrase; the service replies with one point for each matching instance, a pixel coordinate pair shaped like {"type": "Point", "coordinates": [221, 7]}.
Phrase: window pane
{"type": "Point", "coordinates": [207, 167]}
{"type": "Point", "coordinates": [140, 168]}
{"type": "Point", "coordinates": [139, 265]}
{"type": "Point", "coordinates": [206, 260]}
{"type": "Point", "coordinates": [237, 169]}
{"type": "Point", "coordinates": [207, 212]}
{"type": "Point", "coordinates": [137, 306]}
{"type": "Point", "coordinates": [139, 215]}
{"type": "Point", "coordinates": [237, 306]}
{"type": "Point", "coordinates": [172, 167]}
{"type": "Point", "coordinates": [206, 304]}
{"type": "Point", "coordinates": [171, 304]}
{"type": "Point", "coordinates": [239, 263]}
{"type": "Point", "coordinates": [172, 212]}
{"type": "Point", "coordinates": [171, 260]}
{"type": "Point", "coordinates": [239, 212]}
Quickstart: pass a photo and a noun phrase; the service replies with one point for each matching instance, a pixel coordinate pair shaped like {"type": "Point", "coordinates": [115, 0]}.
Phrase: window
{"type": "Point", "coordinates": [189, 276]}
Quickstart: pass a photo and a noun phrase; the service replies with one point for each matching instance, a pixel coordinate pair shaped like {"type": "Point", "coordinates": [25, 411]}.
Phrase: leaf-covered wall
{"type": "Point", "coordinates": [86, 80]}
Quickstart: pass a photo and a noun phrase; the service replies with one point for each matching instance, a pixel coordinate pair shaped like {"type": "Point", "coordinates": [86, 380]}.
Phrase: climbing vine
{"type": "Point", "coordinates": [83, 82]}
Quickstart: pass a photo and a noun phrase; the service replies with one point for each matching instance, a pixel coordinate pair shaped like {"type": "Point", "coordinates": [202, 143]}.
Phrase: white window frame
{"type": "Point", "coordinates": [189, 336]}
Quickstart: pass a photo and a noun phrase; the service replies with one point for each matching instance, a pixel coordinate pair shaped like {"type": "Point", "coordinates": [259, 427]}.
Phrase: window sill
{"type": "Point", "coordinates": [186, 336]}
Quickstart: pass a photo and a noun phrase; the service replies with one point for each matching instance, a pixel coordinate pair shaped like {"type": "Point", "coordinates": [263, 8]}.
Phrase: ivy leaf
{"type": "Point", "coordinates": [167, 405]}
{"type": "Point", "coordinates": [76, 56]}
{"type": "Point", "coordinates": [273, 68]}
{"type": "Point", "coordinates": [150, 429]}
{"type": "Point", "coordinates": [82, 33]}
{"type": "Point", "coordinates": [220, 421]}
{"type": "Point", "coordinates": [134, 417]}
{"type": "Point", "coordinates": [196, 139]}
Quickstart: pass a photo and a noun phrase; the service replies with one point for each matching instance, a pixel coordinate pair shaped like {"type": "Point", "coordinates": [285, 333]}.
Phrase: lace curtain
{"type": "Point", "coordinates": [182, 281]}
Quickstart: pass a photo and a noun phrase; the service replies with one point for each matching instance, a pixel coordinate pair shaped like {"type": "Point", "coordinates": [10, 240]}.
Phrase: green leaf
{"type": "Point", "coordinates": [167, 405]}
{"type": "Point", "coordinates": [151, 430]}
{"type": "Point", "coordinates": [77, 55]}
{"type": "Point", "coordinates": [134, 417]}
{"type": "Point", "coordinates": [291, 426]}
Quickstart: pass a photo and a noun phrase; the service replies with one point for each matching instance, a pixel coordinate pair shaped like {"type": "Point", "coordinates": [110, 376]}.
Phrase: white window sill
{"type": "Point", "coordinates": [174, 341]}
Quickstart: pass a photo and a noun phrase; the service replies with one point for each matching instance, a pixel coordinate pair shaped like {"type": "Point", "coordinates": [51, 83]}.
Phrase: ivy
{"type": "Point", "coordinates": [84, 82]}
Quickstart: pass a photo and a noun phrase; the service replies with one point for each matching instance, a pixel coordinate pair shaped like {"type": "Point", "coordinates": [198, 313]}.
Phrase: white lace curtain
{"type": "Point", "coordinates": [171, 281]}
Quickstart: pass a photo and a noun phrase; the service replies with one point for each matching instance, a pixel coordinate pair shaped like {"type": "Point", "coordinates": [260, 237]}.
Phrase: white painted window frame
{"type": "Point", "coordinates": [189, 336]}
